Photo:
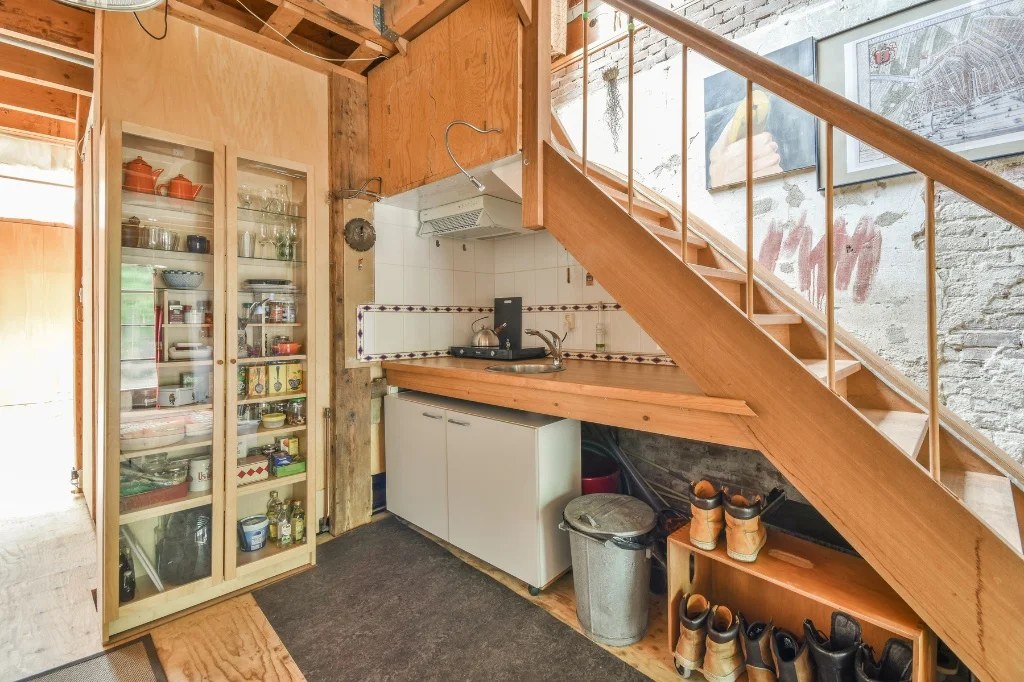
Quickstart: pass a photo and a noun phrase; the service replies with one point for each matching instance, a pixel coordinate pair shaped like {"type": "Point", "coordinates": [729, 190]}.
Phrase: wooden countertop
{"type": "Point", "coordinates": [648, 384]}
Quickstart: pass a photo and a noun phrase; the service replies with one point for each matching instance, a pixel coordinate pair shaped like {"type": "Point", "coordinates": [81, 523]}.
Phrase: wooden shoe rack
{"type": "Point", "coordinates": [792, 580]}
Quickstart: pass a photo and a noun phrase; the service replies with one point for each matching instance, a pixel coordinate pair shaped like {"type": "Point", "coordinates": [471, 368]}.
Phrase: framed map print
{"type": "Point", "coordinates": [949, 70]}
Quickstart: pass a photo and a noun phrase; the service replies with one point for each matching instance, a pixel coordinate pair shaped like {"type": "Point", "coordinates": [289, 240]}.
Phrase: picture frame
{"type": "Point", "coordinates": [888, 65]}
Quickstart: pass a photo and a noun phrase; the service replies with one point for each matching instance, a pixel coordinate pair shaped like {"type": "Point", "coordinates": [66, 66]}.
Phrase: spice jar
{"type": "Point", "coordinates": [296, 414]}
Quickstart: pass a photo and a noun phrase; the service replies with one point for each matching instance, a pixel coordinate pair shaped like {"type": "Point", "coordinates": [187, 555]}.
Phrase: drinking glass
{"type": "Point", "coordinates": [263, 241]}
{"type": "Point", "coordinates": [245, 196]}
{"type": "Point", "coordinates": [266, 198]}
{"type": "Point", "coordinates": [293, 239]}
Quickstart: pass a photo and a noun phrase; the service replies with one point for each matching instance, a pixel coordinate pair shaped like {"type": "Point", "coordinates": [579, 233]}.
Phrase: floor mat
{"type": "Point", "coordinates": [386, 603]}
{"type": "Point", "coordinates": [135, 661]}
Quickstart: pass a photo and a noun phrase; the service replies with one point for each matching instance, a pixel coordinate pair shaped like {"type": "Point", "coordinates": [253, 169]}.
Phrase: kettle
{"type": "Point", "coordinates": [485, 337]}
{"type": "Point", "coordinates": [180, 188]}
{"type": "Point", "coordinates": [139, 176]}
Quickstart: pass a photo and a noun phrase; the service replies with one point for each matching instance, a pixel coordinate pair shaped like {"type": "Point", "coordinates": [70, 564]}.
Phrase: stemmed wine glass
{"type": "Point", "coordinates": [263, 240]}
{"type": "Point", "coordinates": [245, 196]}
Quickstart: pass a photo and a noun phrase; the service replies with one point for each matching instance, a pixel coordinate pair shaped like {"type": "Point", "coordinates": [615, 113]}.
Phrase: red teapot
{"type": "Point", "coordinates": [139, 176]}
{"type": "Point", "coordinates": [180, 188]}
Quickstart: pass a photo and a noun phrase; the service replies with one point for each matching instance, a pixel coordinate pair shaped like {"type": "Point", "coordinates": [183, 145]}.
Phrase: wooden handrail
{"type": "Point", "coordinates": [964, 177]}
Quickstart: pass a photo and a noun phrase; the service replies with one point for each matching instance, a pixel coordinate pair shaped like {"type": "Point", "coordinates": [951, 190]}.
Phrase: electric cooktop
{"type": "Point", "coordinates": [497, 353]}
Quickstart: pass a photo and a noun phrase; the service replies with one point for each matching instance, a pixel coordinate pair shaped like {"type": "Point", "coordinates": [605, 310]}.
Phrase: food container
{"type": "Point", "coordinates": [176, 396]}
{"type": "Point", "coordinates": [286, 348]}
{"type": "Point", "coordinates": [277, 379]}
{"type": "Point", "coordinates": [297, 466]}
{"type": "Point", "coordinates": [175, 313]}
{"type": "Point", "coordinates": [288, 444]}
{"type": "Point", "coordinates": [252, 469]}
{"type": "Point", "coordinates": [200, 473]}
{"type": "Point", "coordinates": [151, 433]}
{"type": "Point", "coordinates": [241, 382]}
{"type": "Point", "coordinates": [252, 532]}
{"type": "Point", "coordinates": [296, 412]}
{"type": "Point", "coordinates": [257, 383]}
{"type": "Point", "coordinates": [195, 317]}
{"type": "Point", "coordinates": [190, 351]}
{"type": "Point", "coordinates": [273, 420]}
{"type": "Point", "coordinates": [293, 374]}
{"type": "Point", "coordinates": [153, 497]}
{"type": "Point", "coordinates": [247, 427]}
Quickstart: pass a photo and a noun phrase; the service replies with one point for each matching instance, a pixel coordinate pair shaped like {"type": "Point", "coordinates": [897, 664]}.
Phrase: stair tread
{"type": "Point", "coordinates": [819, 368]}
{"type": "Point", "coordinates": [717, 273]}
{"type": "Point", "coordinates": [906, 429]}
{"type": "Point", "coordinates": [640, 202]}
{"type": "Point", "coordinates": [990, 496]}
{"type": "Point", "coordinates": [666, 233]}
{"type": "Point", "coordinates": [766, 319]}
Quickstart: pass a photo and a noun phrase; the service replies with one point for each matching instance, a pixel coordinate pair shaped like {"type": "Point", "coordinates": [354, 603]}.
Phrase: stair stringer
{"type": "Point", "coordinates": [955, 572]}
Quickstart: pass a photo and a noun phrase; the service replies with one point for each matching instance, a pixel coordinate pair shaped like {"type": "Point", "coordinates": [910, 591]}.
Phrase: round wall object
{"type": "Point", "coordinates": [359, 234]}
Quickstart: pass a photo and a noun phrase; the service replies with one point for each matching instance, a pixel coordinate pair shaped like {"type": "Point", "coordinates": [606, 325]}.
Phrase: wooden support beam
{"type": "Point", "coordinates": [239, 26]}
{"type": "Point", "coordinates": [34, 67]}
{"type": "Point", "coordinates": [352, 497]}
{"type": "Point", "coordinates": [348, 27]}
{"type": "Point", "coordinates": [402, 15]}
{"type": "Point", "coordinates": [49, 23]}
{"type": "Point", "coordinates": [37, 99]}
{"type": "Point", "coordinates": [38, 127]}
{"type": "Point", "coordinates": [282, 22]}
{"type": "Point", "coordinates": [364, 56]}
{"type": "Point", "coordinates": [82, 105]}
{"type": "Point", "coordinates": [536, 110]}
{"type": "Point", "coordinates": [524, 9]}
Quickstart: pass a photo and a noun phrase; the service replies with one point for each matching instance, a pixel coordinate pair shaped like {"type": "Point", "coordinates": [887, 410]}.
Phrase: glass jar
{"type": "Point", "coordinates": [296, 414]}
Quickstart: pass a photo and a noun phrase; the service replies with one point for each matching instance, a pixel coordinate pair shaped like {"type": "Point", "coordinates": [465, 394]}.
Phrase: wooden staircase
{"type": "Point", "coordinates": [859, 454]}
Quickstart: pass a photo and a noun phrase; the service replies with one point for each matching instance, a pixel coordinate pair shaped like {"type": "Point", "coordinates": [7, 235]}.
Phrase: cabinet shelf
{"type": "Point", "coordinates": [281, 431]}
{"type": "Point", "coordinates": [187, 444]}
{"type": "Point", "coordinates": [148, 597]}
{"type": "Point", "coordinates": [275, 324]}
{"type": "Point", "coordinates": [144, 412]}
{"type": "Point", "coordinates": [182, 325]}
{"type": "Point", "coordinates": [270, 399]}
{"type": "Point", "coordinates": [142, 200]}
{"type": "Point", "coordinates": [255, 215]}
{"type": "Point", "coordinates": [184, 363]}
{"type": "Point", "coordinates": [190, 501]}
{"type": "Point", "coordinates": [270, 358]}
{"type": "Point", "coordinates": [242, 260]}
{"type": "Point", "coordinates": [270, 484]}
{"type": "Point", "coordinates": [150, 255]}
{"type": "Point", "coordinates": [247, 561]}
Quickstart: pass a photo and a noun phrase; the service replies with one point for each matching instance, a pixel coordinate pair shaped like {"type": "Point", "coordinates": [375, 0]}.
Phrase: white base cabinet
{"type": "Point", "coordinates": [489, 480]}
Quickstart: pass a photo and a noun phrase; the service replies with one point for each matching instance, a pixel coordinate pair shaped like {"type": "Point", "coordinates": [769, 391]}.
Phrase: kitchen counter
{"type": "Point", "coordinates": [643, 397]}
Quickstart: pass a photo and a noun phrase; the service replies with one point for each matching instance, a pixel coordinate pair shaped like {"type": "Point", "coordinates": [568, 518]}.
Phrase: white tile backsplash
{"type": "Point", "coordinates": [390, 333]}
{"type": "Point", "coordinates": [546, 286]}
{"type": "Point", "coordinates": [462, 323]}
{"type": "Point", "coordinates": [441, 330]}
{"type": "Point", "coordinates": [389, 283]}
{"type": "Point", "coordinates": [417, 331]}
{"type": "Point", "coordinates": [417, 286]}
{"type": "Point", "coordinates": [484, 289]}
{"type": "Point", "coordinates": [545, 250]}
{"type": "Point", "coordinates": [416, 250]}
{"type": "Point", "coordinates": [523, 249]}
{"type": "Point", "coordinates": [442, 253]}
{"type": "Point", "coordinates": [570, 284]}
{"type": "Point", "coordinates": [442, 287]}
{"type": "Point", "coordinates": [526, 286]}
{"type": "Point", "coordinates": [623, 334]}
{"type": "Point", "coordinates": [464, 288]}
{"type": "Point", "coordinates": [504, 255]}
{"type": "Point", "coordinates": [390, 244]}
{"type": "Point", "coordinates": [504, 285]}
{"type": "Point", "coordinates": [484, 256]}
{"type": "Point", "coordinates": [465, 252]}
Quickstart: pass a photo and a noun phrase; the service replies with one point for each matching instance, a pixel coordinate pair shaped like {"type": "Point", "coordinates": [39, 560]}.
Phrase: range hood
{"type": "Point", "coordinates": [481, 217]}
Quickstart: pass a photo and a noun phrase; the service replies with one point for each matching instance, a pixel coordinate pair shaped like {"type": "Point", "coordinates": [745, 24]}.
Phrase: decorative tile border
{"type": "Point", "coordinates": [410, 355]}
{"type": "Point", "coordinates": [415, 308]}
{"type": "Point", "coordinates": [635, 358]}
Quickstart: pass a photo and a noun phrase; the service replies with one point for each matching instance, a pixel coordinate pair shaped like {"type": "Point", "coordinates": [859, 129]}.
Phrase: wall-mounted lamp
{"type": "Point", "coordinates": [476, 183]}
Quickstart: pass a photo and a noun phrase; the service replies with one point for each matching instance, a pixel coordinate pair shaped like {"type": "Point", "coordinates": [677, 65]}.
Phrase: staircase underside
{"type": "Point", "coordinates": [951, 568]}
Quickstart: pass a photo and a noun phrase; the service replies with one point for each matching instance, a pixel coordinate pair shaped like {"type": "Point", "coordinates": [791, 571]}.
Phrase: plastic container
{"type": "Point", "coordinates": [247, 427]}
{"type": "Point", "coordinates": [273, 420]}
{"type": "Point", "coordinates": [611, 564]}
{"type": "Point", "coordinates": [599, 474]}
{"type": "Point", "coordinates": [252, 532]}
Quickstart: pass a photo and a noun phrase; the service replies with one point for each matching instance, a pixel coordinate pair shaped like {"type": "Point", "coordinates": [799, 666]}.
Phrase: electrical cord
{"type": "Point", "coordinates": [139, 22]}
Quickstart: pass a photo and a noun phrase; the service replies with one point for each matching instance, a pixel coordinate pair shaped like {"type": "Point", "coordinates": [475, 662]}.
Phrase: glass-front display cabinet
{"type": "Point", "coordinates": [209, 352]}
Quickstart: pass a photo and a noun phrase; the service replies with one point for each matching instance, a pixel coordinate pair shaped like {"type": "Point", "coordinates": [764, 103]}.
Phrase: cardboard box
{"type": "Point", "coordinates": [252, 470]}
{"type": "Point", "coordinates": [277, 379]}
{"type": "Point", "coordinates": [294, 377]}
{"type": "Point", "coordinates": [256, 386]}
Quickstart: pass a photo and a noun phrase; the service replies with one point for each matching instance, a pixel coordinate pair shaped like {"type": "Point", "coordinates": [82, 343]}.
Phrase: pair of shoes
{"type": "Point", "coordinates": [708, 640]}
{"type": "Point", "coordinates": [774, 654]}
{"type": "Point", "coordinates": [896, 664]}
{"type": "Point", "coordinates": [715, 508]}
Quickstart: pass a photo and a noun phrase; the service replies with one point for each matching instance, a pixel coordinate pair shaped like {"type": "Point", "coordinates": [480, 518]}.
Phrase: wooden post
{"type": "Point", "coordinates": [82, 104]}
{"type": "Point", "coordinates": [750, 201]}
{"type": "Point", "coordinates": [536, 110]}
{"type": "Point", "coordinates": [632, 123]}
{"type": "Point", "coordinates": [830, 263]}
{"type": "Point", "coordinates": [349, 444]}
{"type": "Point", "coordinates": [684, 212]}
{"type": "Point", "coordinates": [586, 78]}
{"type": "Point", "coordinates": [934, 461]}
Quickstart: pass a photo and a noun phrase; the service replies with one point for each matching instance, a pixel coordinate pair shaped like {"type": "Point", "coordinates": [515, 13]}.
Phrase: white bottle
{"type": "Point", "coordinates": [600, 330]}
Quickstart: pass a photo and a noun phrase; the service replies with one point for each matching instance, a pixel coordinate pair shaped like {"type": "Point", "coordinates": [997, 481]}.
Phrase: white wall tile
{"type": "Point", "coordinates": [504, 285]}
{"type": "Point", "coordinates": [442, 253]}
{"type": "Point", "coordinates": [389, 283]}
{"type": "Point", "coordinates": [462, 323]}
{"type": "Point", "coordinates": [530, 322]}
{"type": "Point", "coordinates": [484, 289]}
{"type": "Point", "coordinates": [389, 246]}
{"type": "Point", "coordinates": [442, 285]}
{"type": "Point", "coordinates": [484, 256]}
{"type": "Point", "coordinates": [390, 333]}
{"type": "Point", "coordinates": [464, 288]}
{"type": "Point", "coordinates": [588, 326]}
{"type": "Point", "coordinates": [647, 344]}
{"type": "Point", "coordinates": [547, 321]}
{"type": "Point", "coordinates": [547, 286]}
{"type": "Point", "coordinates": [570, 288]}
{"type": "Point", "coordinates": [441, 330]}
{"type": "Point", "coordinates": [595, 293]}
{"type": "Point", "coordinates": [395, 215]}
{"type": "Point", "coordinates": [523, 248]}
{"type": "Point", "coordinates": [417, 331]}
{"type": "Point", "coordinates": [564, 257]}
{"type": "Point", "coordinates": [545, 249]}
{"type": "Point", "coordinates": [416, 250]}
{"type": "Point", "coordinates": [370, 332]}
{"type": "Point", "coordinates": [504, 255]}
{"type": "Point", "coordinates": [417, 285]}
{"type": "Point", "coordinates": [465, 255]}
{"type": "Point", "coordinates": [526, 286]}
{"type": "Point", "coordinates": [574, 339]}
{"type": "Point", "coordinates": [623, 332]}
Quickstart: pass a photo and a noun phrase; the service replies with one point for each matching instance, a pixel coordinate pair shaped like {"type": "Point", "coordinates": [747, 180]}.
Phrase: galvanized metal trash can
{"type": "Point", "coordinates": [611, 564]}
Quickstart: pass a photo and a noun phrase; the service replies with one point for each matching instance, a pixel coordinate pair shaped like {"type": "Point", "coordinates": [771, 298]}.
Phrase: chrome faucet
{"type": "Point", "coordinates": [554, 344]}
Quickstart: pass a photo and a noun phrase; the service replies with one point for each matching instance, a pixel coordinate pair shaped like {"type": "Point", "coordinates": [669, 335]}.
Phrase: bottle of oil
{"type": "Point", "coordinates": [284, 530]}
{"type": "Point", "coordinates": [273, 515]}
{"type": "Point", "coordinates": [298, 522]}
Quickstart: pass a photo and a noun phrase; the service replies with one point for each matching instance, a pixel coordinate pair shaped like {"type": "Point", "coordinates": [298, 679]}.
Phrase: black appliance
{"type": "Point", "coordinates": [497, 353]}
{"type": "Point", "coordinates": [509, 311]}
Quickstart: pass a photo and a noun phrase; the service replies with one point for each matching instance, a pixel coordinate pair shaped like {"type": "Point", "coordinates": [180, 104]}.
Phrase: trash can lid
{"type": "Point", "coordinates": [610, 514]}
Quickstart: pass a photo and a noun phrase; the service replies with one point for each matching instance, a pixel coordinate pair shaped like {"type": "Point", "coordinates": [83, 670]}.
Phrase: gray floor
{"type": "Point", "coordinates": [386, 603]}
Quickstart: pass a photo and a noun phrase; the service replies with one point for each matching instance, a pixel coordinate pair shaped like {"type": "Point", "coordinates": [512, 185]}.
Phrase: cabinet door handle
{"type": "Point", "coordinates": [233, 361]}
{"type": "Point", "coordinates": [220, 362]}
{"type": "Point", "coordinates": [432, 416]}
{"type": "Point", "coordinates": [457, 423]}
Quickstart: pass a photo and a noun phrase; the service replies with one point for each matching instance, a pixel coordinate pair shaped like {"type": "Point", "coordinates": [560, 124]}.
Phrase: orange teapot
{"type": "Point", "coordinates": [139, 176]}
{"type": "Point", "coordinates": [180, 188]}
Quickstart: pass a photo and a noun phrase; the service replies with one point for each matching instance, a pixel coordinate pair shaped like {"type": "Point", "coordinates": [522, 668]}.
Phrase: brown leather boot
{"type": "Point", "coordinates": [723, 661]}
{"type": "Point", "coordinates": [693, 628]}
{"type": "Point", "coordinates": [745, 535]}
{"type": "Point", "coordinates": [757, 650]}
{"type": "Point", "coordinates": [792, 658]}
{"type": "Point", "coordinates": [708, 516]}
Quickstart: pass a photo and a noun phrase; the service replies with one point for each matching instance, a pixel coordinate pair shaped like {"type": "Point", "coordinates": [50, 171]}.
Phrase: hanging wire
{"type": "Point", "coordinates": [139, 22]}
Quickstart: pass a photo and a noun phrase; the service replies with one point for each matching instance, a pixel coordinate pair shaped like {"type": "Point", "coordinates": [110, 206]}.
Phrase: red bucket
{"type": "Point", "coordinates": [600, 474]}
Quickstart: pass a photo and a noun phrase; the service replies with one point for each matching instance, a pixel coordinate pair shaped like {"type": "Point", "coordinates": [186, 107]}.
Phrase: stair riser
{"type": "Point", "coordinates": [779, 332]}
{"type": "Point", "coordinates": [692, 252]}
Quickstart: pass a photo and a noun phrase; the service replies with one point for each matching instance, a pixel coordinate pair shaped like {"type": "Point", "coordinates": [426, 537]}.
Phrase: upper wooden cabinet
{"type": "Point", "coordinates": [464, 68]}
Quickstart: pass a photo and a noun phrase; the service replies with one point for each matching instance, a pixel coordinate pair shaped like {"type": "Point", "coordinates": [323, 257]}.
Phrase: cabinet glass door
{"type": "Point", "coordinates": [170, 301]}
{"type": "Point", "coordinates": [270, 354]}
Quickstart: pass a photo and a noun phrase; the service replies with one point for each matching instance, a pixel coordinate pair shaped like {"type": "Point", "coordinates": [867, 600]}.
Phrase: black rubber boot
{"type": "Point", "coordinates": [834, 654]}
{"type": "Point", "coordinates": [895, 665]}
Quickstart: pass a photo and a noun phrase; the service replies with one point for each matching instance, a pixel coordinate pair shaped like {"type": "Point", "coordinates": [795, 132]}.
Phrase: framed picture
{"type": "Point", "coordinates": [784, 135]}
{"type": "Point", "coordinates": [950, 70]}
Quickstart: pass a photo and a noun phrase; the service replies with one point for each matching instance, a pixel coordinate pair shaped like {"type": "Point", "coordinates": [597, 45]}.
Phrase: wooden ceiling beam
{"type": "Point", "coordinates": [329, 16]}
{"type": "Point", "coordinates": [402, 15]}
{"type": "Point", "coordinates": [243, 27]}
{"type": "Point", "coordinates": [282, 22]}
{"type": "Point", "coordinates": [363, 57]}
{"type": "Point", "coordinates": [37, 127]}
{"type": "Point", "coordinates": [34, 67]}
{"type": "Point", "coordinates": [49, 23]}
{"type": "Point", "coordinates": [37, 99]}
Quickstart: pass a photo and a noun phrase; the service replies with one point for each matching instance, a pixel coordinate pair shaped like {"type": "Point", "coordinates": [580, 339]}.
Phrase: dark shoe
{"type": "Point", "coordinates": [724, 659]}
{"type": "Point", "coordinates": [834, 655]}
{"type": "Point", "coordinates": [895, 665]}
{"type": "Point", "coordinates": [947, 663]}
{"type": "Point", "coordinates": [693, 630]}
{"type": "Point", "coordinates": [708, 516]}
{"type": "Point", "coordinates": [792, 658]}
{"type": "Point", "coordinates": [757, 650]}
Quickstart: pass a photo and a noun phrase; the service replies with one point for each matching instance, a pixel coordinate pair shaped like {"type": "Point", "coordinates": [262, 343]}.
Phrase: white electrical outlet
{"type": "Point", "coordinates": [570, 321]}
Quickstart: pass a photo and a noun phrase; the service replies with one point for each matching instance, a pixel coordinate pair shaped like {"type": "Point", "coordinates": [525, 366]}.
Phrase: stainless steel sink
{"type": "Point", "coordinates": [526, 369]}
